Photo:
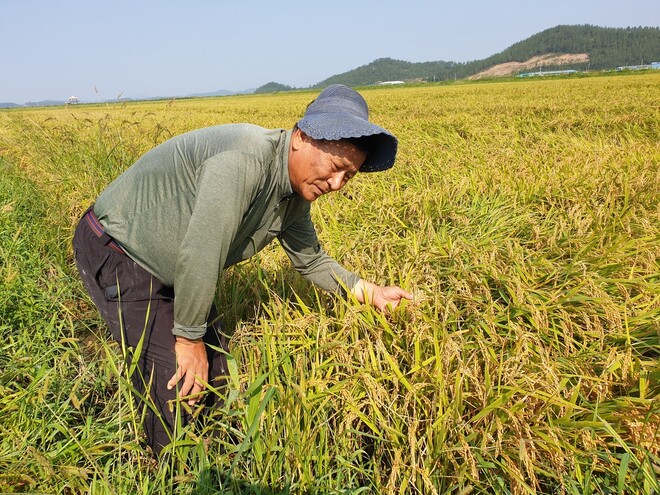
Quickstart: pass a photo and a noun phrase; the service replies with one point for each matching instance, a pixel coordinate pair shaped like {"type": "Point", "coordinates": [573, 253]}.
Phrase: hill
{"type": "Point", "coordinates": [607, 48]}
{"type": "Point", "coordinates": [43, 103]}
{"type": "Point", "coordinates": [387, 69]}
{"type": "Point", "coordinates": [597, 47]}
{"type": "Point", "coordinates": [273, 87]}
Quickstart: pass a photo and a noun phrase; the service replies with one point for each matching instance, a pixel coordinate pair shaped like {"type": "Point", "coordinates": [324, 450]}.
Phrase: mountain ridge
{"type": "Point", "coordinates": [607, 48]}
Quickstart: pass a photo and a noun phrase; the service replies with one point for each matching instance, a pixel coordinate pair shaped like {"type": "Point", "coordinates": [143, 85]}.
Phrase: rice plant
{"type": "Point", "coordinates": [525, 217]}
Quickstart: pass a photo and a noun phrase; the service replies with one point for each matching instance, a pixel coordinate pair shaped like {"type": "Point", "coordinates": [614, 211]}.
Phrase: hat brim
{"type": "Point", "coordinates": [333, 127]}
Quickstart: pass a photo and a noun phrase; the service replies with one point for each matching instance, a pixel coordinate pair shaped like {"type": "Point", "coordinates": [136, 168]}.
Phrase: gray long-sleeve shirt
{"type": "Point", "coordinates": [205, 200]}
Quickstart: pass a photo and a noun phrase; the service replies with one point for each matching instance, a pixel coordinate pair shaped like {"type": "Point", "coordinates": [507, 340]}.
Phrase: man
{"type": "Point", "coordinates": [151, 248]}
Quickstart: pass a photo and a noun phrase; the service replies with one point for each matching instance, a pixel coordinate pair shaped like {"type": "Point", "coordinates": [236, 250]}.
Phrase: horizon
{"type": "Point", "coordinates": [164, 51]}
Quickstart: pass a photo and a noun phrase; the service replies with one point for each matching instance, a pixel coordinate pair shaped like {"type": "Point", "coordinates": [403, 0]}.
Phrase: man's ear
{"type": "Point", "coordinates": [297, 139]}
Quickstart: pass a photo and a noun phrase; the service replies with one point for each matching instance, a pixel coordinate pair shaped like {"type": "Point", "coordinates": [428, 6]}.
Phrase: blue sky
{"type": "Point", "coordinates": [100, 49]}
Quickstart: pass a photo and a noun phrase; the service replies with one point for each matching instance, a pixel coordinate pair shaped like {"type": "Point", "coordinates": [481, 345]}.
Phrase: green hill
{"type": "Point", "coordinates": [273, 87]}
{"type": "Point", "coordinates": [607, 48]}
{"type": "Point", "coordinates": [387, 69]}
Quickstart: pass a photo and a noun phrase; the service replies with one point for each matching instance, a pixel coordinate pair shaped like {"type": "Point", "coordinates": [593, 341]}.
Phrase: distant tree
{"type": "Point", "coordinates": [273, 87]}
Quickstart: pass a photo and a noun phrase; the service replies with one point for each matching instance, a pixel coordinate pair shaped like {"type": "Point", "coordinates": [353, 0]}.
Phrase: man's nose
{"type": "Point", "coordinates": [336, 181]}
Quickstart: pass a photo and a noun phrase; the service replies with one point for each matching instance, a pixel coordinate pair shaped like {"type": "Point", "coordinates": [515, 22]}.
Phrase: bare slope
{"type": "Point", "coordinates": [549, 59]}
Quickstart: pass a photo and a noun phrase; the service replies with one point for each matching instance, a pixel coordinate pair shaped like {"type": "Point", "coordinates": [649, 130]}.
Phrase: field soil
{"type": "Point", "coordinates": [549, 59]}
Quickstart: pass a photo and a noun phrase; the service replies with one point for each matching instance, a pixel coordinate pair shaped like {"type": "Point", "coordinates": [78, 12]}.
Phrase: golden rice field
{"type": "Point", "coordinates": [524, 216]}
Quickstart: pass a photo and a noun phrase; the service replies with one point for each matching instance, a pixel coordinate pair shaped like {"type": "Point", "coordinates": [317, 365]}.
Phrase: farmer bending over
{"type": "Point", "coordinates": [150, 250]}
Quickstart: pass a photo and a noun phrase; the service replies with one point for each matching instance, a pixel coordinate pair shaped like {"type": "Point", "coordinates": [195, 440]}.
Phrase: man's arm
{"type": "Point", "coordinates": [226, 187]}
{"type": "Point", "coordinates": [301, 244]}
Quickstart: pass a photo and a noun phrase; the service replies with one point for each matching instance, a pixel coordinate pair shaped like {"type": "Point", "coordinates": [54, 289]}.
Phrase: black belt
{"type": "Point", "coordinates": [97, 228]}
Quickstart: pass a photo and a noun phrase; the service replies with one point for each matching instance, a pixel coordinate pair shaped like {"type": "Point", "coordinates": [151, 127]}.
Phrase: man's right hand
{"type": "Point", "coordinates": [192, 368]}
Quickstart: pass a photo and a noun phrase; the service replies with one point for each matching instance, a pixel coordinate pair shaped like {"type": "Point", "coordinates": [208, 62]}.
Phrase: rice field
{"type": "Point", "coordinates": [523, 215]}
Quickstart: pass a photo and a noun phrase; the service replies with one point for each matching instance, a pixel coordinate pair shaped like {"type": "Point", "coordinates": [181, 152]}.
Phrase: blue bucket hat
{"type": "Point", "coordinates": [340, 112]}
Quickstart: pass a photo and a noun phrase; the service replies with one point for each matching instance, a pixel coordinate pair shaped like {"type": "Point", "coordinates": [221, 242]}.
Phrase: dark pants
{"type": "Point", "coordinates": [137, 306]}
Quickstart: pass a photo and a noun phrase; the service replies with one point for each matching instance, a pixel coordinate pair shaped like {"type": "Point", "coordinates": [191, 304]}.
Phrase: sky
{"type": "Point", "coordinates": [102, 50]}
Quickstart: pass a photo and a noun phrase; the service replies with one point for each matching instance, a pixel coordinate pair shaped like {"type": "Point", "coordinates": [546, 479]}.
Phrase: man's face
{"type": "Point", "coordinates": [318, 167]}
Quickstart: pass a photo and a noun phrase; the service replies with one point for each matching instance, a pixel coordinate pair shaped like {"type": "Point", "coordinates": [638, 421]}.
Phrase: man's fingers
{"type": "Point", "coordinates": [175, 379]}
{"type": "Point", "coordinates": [187, 385]}
{"type": "Point", "coordinates": [407, 295]}
{"type": "Point", "coordinates": [195, 393]}
{"type": "Point", "coordinates": [191, 386]}
{"type": "Point", "coordinates": [389, 306]}
{"type": "Point", "coordinates": [389, 298]}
